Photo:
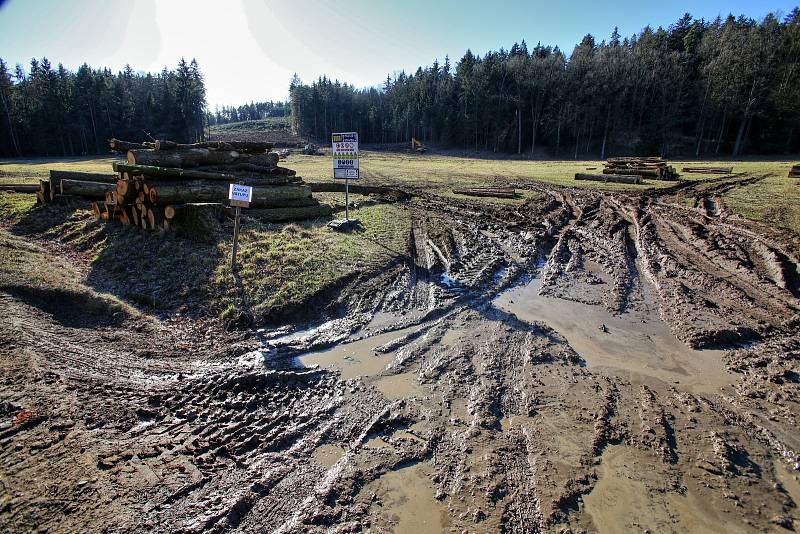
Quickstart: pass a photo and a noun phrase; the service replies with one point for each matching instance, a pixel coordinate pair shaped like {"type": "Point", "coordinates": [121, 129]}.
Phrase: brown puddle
{"type": "Point", "coordinates": [399, 386]}
{"type": "Point", "coordinates": [327, 455]}
{"type": "Point", "coordinates": [630, 347]}
{"type": "Point", "coordinates": [407, 501]}
{"type": "Point", "coordinates": [357, 358]}
{"type": "Point", "coordinates": [623, 500]}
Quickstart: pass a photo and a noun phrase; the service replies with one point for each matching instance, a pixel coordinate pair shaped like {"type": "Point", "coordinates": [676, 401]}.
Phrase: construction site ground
{"type": "Point", "coordinates": [593, 359]}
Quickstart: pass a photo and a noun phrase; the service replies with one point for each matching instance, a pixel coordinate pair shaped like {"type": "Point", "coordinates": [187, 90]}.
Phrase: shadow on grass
{"type": "Point", "coordinates": [157, 271]}
{"type": "Point", "coordinates": [70, 308]}
{"type": "Point", "coordinates": [41, 218]}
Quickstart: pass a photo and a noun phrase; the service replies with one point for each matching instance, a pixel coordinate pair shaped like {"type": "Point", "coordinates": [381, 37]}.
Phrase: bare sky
{"type": "Point", "coordinates": [249, 49]}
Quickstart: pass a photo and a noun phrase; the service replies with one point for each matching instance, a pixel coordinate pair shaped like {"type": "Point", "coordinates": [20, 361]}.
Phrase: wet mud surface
{"type": "Point", "coordinates": [587, 362]}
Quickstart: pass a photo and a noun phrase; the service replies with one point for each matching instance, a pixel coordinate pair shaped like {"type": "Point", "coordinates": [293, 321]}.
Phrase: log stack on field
{"type": "Point", "coordinates": [652, 168]}
{"type": "Point", "coordinates": [794, 172]}
{"type": "Point", "coordinates": [164, 184]}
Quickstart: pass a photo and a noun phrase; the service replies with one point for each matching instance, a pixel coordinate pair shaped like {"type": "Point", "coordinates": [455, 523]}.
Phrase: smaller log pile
{"type": "Point", "coordinates": [708, 170]}
{"type": "Point", "coordinates": [495, 192]}
{"type": "Point", "coordinates": [794, 172]}
{"type": "Point", "coordinates": [79, 186]}
{"type": "Point", "coordinates": [653, 168]}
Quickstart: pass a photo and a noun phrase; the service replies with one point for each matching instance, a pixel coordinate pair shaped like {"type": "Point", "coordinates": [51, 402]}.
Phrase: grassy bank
{"type": "Point", "coordinates": [281, 266]}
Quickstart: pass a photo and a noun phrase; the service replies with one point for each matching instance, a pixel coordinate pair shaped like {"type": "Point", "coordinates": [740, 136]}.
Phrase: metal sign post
{"type": "Point", "coordinates": [345, 167]}
{"type": "Point", "coordinates": [240, 197]}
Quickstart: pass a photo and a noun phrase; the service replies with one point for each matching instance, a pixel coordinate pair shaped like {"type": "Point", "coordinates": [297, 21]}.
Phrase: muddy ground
{"type": "Point", "coordinates": [587, 362]}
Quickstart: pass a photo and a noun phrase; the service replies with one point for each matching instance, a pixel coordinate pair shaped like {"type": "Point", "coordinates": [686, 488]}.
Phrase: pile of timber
{"type": "Point", "coordinates": [615, 178]}
{"type": "Point", "coordinates": [653, 168]}
{"type": "Point", "coordinates": [495, 192]}
{"type": "Point", "coordinates": [708, 170]}
{"type": "Point", "coordinates": [795, 171]}
{"type": "Point", "coordinates": [164, 184]}
{"type": "Point", "coordinates": [79, 186]}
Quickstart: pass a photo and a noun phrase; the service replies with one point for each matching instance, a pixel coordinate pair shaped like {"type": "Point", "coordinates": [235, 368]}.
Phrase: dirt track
{"type": "Point", "coordinates": [521, 369]}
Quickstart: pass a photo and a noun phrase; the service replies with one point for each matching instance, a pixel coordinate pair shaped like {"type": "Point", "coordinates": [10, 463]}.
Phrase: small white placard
{"type": "Point", "coordinates": [240, 193]}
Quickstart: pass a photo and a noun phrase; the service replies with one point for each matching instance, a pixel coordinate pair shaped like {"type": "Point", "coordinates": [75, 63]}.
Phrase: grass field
{"type": "Point", "coordinates": [282, 266]}
{"type": "Point", "coordinates": [775, 200]}
{"type": "Point", "coordinates": [30, 170]}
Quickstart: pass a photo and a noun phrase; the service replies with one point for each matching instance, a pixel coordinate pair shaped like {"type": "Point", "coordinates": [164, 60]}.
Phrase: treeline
{"type": "Point", "coordinates": [56, 112]}
{"type": "Point", "coordinates": [729, 86]}
{"type": "Point", "coordinates": [247, 112]}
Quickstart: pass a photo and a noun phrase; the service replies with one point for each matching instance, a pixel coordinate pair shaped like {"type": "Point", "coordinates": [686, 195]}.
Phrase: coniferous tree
{"type": "Point", "coordinates": [727, 86]}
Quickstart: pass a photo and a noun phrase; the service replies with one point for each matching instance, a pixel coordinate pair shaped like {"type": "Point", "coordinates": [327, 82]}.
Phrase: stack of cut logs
{"type": "Point", "coordinates": [162, 183]}
{"type": "Point", "coordinates": [632, 170]}
{"type": "Point", "coordinates": [795, 171]}
{"type": "Point", "coordinates": [653, 168]}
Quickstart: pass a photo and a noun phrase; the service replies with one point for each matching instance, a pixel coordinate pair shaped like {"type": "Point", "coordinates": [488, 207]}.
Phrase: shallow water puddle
{"type": "Point", "coordinates": [328, 454]}
{"type": "Point", "coordinates": [407, 501]}
{"type": "Point", "coordinates": [621, 501]}
{"type": "Point", "coordinates": [638, 343]}
{"type": "Point", "coordinates": [357, 358]}
{"type": "Point", "coordinates": [399, 386]}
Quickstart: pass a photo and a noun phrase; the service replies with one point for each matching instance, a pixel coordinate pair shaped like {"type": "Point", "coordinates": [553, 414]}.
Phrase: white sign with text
{"type": "Point", "coordinates": [240, 195]}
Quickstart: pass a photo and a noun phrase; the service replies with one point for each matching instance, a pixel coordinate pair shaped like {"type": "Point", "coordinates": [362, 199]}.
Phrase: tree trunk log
{"type": "Point", "coordinates": [165, 173]}
{"type": "Point", "coordinates": [123, 146]}
{"type": "Point", "coordinates": [708, 170]}
{"type": "Point", "coordinates": [44, 191]}
{"type": "Point", "coordinates": [634, 171]}
{"type": "Point", "coordinates": [200, 221]}
{"type": "Point", "coordinates": [290, 214]}
{"type": "Point", "coordinates": [240, 146]}
{"type": "Point", "coordinates": [57, 176]}
{"type": "Point", "coordinates": [86, 189]}
{"type": "Point", "coordinates": [609, 178]}
{"type": "Point", "coordinates": [20, 188]}
{"type": "Point", "coordinates": [196, 157]}
{"type": "Point", "coordinates": [194, 192]}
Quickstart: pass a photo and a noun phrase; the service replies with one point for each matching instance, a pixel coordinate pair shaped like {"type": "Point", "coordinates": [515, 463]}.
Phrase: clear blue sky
{"type": "Point", "coordinates": [248, 49]}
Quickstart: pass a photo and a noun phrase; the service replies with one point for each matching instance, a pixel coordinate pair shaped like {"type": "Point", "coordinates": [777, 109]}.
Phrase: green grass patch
{"type": "Point", "coordinates": [14, 206]}
{"type": "Point", "coordinates": [774, 200]}
{"type": "Point", "coordinates": [441, 173]}
{"type": "Point", "coordinates": [31, 170]}
{"type": "Point", "coordinates": [36, 276]}
{"type": "Point", "coordinates": [285, 265]}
